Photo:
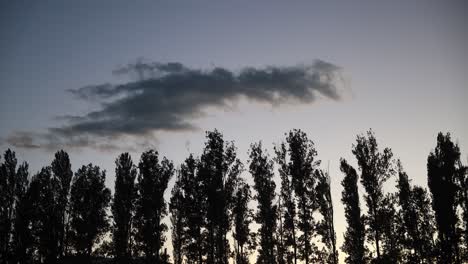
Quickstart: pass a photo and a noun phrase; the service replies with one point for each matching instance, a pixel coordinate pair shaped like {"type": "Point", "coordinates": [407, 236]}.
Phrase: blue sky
{"type": "Point", "coordinates": [404, 68]}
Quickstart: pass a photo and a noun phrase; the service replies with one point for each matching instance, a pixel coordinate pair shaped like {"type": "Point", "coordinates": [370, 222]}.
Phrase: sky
{"type": "Point", "coordinates": [102, 77]}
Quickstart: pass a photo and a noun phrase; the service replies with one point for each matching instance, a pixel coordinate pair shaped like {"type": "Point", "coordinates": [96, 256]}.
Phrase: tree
{"type": "Point", "coordinates": [123, 206]}
{"type": "Point", "coordinates": [194, 210]}
{"type": "Point", "coordinates": [426, 223]}
{"type": "Point", "coordinates": [376, 168]}
{"type": "Point", "coordinates": [7, 202]}
{"type": "Point", "coordinates": [219, 171]}
{"type": "Point", "coordinates": [150, 205]}
{"type": "Point", "coordinates": [354, 237]}
{"type": "Point", "coordinates": [391, 231]}
{"type": "Point", "coordinates": [89, 199]}
{"type": "Point", "coordinates": [62, 176]}
{"type": "Point", "coordinates": [287, 210]}
{"type": "Point", "coordinates": [441, 174]}
{"type": "Point", "coordinates": [21, 240]}
{"type": "Point", "coordinates": [261, 169]}
{"type": "Point", "coordinates": [462, 200]}
{"type": "Point", "coordinates": [417, 230]}
{"type": "Point", "coordinates": [326, 227]}
{"type": "Point", "coordinates": [301, 172]}
{"type": "Point", "coordinates": [242, 218]}
{"type": "Point", "coordinates": [176, 209]}
{"type": "Point", "coordinates": [41, 197]}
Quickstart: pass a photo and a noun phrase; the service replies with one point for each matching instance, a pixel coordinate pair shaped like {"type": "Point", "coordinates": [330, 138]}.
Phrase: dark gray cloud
{"type": "Point", "coordinates": [168, 97]}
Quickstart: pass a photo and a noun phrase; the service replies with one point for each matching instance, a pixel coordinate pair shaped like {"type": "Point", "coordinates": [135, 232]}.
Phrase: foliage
{"type": "Point", "coordinates": [123, 206]}
{"type": "Point", "coordinates": [89, 199]}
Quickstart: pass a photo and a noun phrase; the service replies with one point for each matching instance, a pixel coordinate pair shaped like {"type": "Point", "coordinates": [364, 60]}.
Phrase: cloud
{"type": "Point", "coordinates": [23, 140]}
{"type": "Point", "coordinates": [169, 96]}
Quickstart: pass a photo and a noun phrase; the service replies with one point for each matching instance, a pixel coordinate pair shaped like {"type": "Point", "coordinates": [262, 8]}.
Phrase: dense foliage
{"type": "Point", "coordinates": [278, 210]}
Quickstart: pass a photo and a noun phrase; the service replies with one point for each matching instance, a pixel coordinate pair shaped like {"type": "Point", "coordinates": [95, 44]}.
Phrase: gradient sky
{"type": "Point", "coordinates": [404, 67]}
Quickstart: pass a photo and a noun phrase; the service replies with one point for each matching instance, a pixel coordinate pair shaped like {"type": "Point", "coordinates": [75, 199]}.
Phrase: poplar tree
{"type": "Point", "coordinates": [22, 240]}
{"type": "Point", "coordinates": [194, 210]}
{"type": "Point", "coordinates": [123, 206]}
{"type": "Point", "coordinates": [354, 237]}
{"type": "Point", "coordinates": [43, 221]}
{"type": "Point", "coordinates": [219, 171]}
{"type": "Point", "coordinates": [462, 200]}
{"type": "Point", "coordinates": [326, 227]}
{"type": "Point", "coordinates": [261, 169]}
{"type": "Point", "coordinates": [426, 223]}
{"type": "Point", "coordinates": [301, 168]}
{"type": "Point", "coordinates": [242, 218]}
{"type": "Point", "coordinates": [7, 202]}
{"type": "Point", "coordinates": [376, 168]}
{"type": "Point", "coordinates": [89, 201]}
{"type": "Point", "coordinates": [62, 176]}
{"type": "Point", "coordinates": [417, 222]}
{"type": "Point", "coordinates": [441, 173]}
{"type": "Point", "coordinates": [151, 207]}
{"type": "Point", "coordinates": [287, 210]}
{"type": "Point", "coordinates": [178, 221]}
{"type": "Point", "coordinates": [391, 231]}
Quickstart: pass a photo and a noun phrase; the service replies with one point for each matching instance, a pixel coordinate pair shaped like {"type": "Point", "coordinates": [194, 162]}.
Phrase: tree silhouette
{"type": "Point", "coordinates": [176, 209]}
{"type": "Point", "coordinates": [242, 216]}
{"type": "Point", "coordinates": [21, 233]}
{"type": "Point", "coordinates": [219, 171]}
{"type": "Point", "coordinates": [376, 168]}
{"type": "Point", "coordinates": [89, 199]}
{"type": "Point", "coordinates": [261, 169]}
{"type": "Point", "coordinates": [7, 202]}
{"type": "Point", "coordinates": [301, 169]}
{"type": "Point", "coordinates": [462, 200]}
{"type": "Point", "coordinates": [62, 176]}
{"type": "Point", "coordinates": [123, 206]}
{"type": "Point", "coordinates": [326, 227]}
{"type": "Point", "coordinates": [391, 231]}
{"type": "Point", "coordinates": [417, 228]}
{"type": "Point", "coordinates": [441, 174]}
{"type": "Point", "coordinates": [287, 251]}
{"type": "Point", "coordinates": [354, 237]}
{"type": "Point", "coordinates": [193, 211]}
{"type": "Point", "coordinates": [426, 223]}
{"type": "Point", "coordinates": [43, 220]}
{"type": "Point", "coordinates": [409, 233]}
{"type": "Point", "coordinates": [150, 205]}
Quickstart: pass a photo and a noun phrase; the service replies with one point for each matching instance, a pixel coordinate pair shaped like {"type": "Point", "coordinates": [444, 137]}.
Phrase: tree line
{"type": "Point", "coordinates": [217, 216]}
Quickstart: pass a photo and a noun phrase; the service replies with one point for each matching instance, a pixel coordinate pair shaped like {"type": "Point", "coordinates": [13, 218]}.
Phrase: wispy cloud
{"type": "Point", "coordinates": [169, 96]}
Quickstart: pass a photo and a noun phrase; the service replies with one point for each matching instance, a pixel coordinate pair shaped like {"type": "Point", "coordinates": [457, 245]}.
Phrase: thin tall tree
{"type": "Point", "coordinates": [354, 237]}
{"type": "Point", "coordinates": [462, 200]}
{"type": "Point", "coordinates": [89, 201]}
{"type": "Point", "coordinates": [22, 240]}
{"type": "Point", "coordinates": [441, 174]}
{"type": "Point", "coordinates": [151, 207]}
{"type": "Point", "coordinates": [62, 176]}
{"type": "Point", "coordinates": [219, 171]}
{"type": "Point", "coordinates": [242, 216]}
{"type": "Point", "coordinates": [326, 227]}
{"type": "Point", "coordinates": [376, 168]}
{"type": "Point", "coordinates": [178, 221]}
{"type": "Point", "coordinates": [43, 222]}
{"type": "Point", "coordinates": [426, 223]}
{"type": "Point", "coordinates": [287, 209]}
{"type": "Point", "coordinates": [7, 202]}
{"type": "Point", "coordinates": [301, 169]}
{"type": "Point", "coordinates": [123, 206]}
{"type": "Point", "coordinates": [261, 169]}
{"type": "Point", "coordinates": [194, 210]}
